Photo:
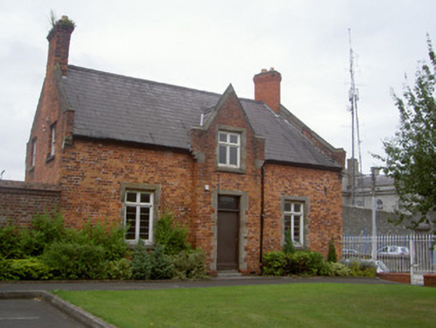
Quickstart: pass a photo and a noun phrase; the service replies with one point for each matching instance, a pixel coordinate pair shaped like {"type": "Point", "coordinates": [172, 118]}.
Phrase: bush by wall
{"type": "Point", "coordinates": [308, 263]}
{"type": "Point", "coordinates": [151, 265]}
{"type": "Point", "coordinates": [189, 264]}
{"type": "Point", "coordinates": [171, 235]}
{"type": "Point", "coordinates": [75, 261]}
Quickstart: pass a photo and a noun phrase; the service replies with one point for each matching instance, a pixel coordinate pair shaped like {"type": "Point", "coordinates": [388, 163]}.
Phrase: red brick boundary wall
{"type": "Point", "coordinates": [21, 201]}
{"type": "Point", "coordinates": [403, 278]}
{"type": "Point", "coordinates": [430, 280]}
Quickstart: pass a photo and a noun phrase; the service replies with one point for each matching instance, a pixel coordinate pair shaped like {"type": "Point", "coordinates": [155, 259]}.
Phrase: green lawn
{"type": "Point", "coordinates": [292, 305]}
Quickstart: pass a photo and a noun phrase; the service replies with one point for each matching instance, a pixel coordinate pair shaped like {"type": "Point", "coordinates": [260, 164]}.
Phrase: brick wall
{"type": "Point", "coordinates": [320, 190]}
{"type": "Point", "coordinates": [94, 171]}
{"type": "Point", "coordinates": [21, 201]}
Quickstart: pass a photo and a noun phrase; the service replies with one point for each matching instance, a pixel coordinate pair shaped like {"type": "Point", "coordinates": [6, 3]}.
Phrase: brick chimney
{"type": "Point", "coordinates": [59, 44]}
{"type": "Point", "coordinates": [267, 88]}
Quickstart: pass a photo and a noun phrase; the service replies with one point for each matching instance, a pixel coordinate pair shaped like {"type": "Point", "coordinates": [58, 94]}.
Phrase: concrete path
{"type": "Point", "coordinates": [170, 284]}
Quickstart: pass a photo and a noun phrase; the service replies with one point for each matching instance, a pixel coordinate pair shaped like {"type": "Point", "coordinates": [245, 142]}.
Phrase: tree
{"type": "Point", "coordinates": [411, 154]}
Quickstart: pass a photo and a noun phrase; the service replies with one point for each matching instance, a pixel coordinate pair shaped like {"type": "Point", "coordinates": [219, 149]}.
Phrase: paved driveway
{"type": "Point", "coordinates": [35, 313]}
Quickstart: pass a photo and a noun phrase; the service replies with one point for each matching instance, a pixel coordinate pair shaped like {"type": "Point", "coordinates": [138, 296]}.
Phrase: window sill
{"type": "Point", "coordinates": [49, 158]}
{"type": "Point", "coordinates": [131, 244]}
{"type": "Point", "coordinates": [230, 169]}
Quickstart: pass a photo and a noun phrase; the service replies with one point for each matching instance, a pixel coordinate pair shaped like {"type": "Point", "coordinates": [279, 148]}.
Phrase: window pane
{"type": "Point", "coordinates": [234, 139]}
{"type": "Point", "coordinates": [145, 198]}
{"type": "Point", "coordinates": [130, 222]}
{"type": "Point", "coordinates": [144, 223]}
{"type": "Point", "coordinates": [233, 156]}
{"type": "Point", "coordinates": [297, 207]}
{"type": "Point", "coordinates": [297, 228]}
{"type": "Point", "coordinates": [287, 207]}
{"type": "Point", "coordinates": [131, 197]}
{"type": "Point", "coordinates": [287, 223]}
{"type": "Point", "coordinates": [222, 155]}
{"type": "Point", "coordinates": [223, 137]}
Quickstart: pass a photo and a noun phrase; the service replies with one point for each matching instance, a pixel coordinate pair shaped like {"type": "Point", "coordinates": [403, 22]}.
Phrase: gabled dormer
{"type": "Point", "coordinates": [225, 139]}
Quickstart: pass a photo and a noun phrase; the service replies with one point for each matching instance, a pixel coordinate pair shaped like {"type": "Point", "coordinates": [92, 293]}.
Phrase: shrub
{"type": "Point", "coordinates": [274, 264]}
{"type": "Point", "coordinates": [161, 266]}
{"type": "Point", "coordinates": [30, 269]}
{"type": "Point", "coordinates": [5, 270]}
{"type": "Point", "coordinates": [141, 263]}
{"type": "Point", "coordinates": [151, 265]}
{"type": "Point", "coordinates": [360, 268]}
{"type": "Point", "coordinates": [16, 242]}
{"type": "Point", "coordinates": [10, 247]}
{"type": "Point", "coordinates": [119, 269]}
{"type": "Point", "coordinates": [304, 263]}
{"type": "Point", "coordinates": [336, 269]}
{"type": "Point", "coordinates": [288, 247]}
{"type": "Point", "coordinates": [110, 237]}
{"type": "Point", "coordinates": [51, 227]}
{"type": "Point", "coordinates": [189, 264]}
{"type": "Point", "coordinates": [24, 269]}
{"type": "Point", "coordinates": [171, 235]}
{"type": "Point", "coordinates": [76, 261]}
{"type": "Point", "coordinates": [331, 255]}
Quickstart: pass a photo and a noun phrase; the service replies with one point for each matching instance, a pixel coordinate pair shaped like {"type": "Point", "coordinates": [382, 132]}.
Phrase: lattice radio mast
{"type": "Point", "coordinates": [353, 97]}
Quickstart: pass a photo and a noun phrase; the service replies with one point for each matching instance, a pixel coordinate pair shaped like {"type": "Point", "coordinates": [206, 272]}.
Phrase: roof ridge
{"type": "Point", "coordinates": [90, 70]}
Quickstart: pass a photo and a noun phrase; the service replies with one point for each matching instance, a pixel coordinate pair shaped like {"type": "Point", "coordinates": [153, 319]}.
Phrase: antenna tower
{"type": "Point", "coordinates": [353, 98]}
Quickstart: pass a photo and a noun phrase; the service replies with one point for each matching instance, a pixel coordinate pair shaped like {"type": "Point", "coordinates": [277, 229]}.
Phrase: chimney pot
{"type": "Point", "coordinates": [264, 70]}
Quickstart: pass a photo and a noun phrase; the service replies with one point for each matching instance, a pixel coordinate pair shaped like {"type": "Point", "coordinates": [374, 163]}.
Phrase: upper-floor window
{"type": "Point", "coordinates": [33, 150]}
{"type": "Point", "coordinates": [52, 139]}
{"type": "Point", "coordinates": [379, 204]}
{"type": "Point", "coordinates": [294, 221]}
{"type": "Point", "coordinates": [138, 216]}
{"type": "Point", "coordinates": [229, 152]}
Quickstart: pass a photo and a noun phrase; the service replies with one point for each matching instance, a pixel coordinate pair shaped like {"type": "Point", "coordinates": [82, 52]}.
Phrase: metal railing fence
{"type": "Point", "coordinates": [398, 252]}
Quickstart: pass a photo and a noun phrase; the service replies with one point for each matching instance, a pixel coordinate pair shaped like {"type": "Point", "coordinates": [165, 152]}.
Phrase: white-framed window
{"type": "Point", "coordinates": [138, 216]}
{"type": "Point", "coordinates": [294, 221]}
{"type": "Point", "coordinates": [379, 204]}
{"type": "Point", "coordinates": [33, 161]}
{"type": "Point", "coordinates": [229, 149]}
{"type": "Point", "coordinates": [52, 139]}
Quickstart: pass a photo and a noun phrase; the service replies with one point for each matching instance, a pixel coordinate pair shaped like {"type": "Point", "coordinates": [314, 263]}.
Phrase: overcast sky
{"type": "Point", "coordinates": [209, 44]}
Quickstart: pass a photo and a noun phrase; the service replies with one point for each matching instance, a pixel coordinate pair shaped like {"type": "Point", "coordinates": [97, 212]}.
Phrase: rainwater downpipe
{"type": "Point", "coordinates": [262, 214]}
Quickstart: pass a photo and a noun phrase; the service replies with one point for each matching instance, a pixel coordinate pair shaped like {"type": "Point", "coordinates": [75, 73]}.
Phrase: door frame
{"type": "Point", "coordinates": [243, 206]}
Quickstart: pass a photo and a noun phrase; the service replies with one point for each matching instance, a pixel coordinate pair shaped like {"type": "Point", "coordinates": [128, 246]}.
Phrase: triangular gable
{"type": "Point", "coordinates": [210, 114]}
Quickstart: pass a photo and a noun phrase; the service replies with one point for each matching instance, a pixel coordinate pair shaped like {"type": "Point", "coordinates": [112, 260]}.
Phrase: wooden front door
{"type": "Point", "coordinates": [228, 233]}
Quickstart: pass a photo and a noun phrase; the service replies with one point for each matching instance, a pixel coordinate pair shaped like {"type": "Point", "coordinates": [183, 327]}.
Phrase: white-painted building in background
{"type": "Point", "coordinates": [386, 196]}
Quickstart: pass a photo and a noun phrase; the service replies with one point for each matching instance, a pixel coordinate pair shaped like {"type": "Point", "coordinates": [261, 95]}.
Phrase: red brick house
{"type": "Point", "coordinates": [237, 172]}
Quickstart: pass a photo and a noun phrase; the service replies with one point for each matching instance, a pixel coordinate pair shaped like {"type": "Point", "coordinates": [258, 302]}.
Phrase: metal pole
{"type": "Point", "coordinates": [374, 173]}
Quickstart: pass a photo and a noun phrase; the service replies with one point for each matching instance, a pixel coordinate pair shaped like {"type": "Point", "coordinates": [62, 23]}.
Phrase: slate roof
{"type": "Point", "coordinates": [109, 106]}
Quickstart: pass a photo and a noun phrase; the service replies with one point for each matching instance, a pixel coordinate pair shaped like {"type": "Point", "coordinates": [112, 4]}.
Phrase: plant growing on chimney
{"type": "Point", "coordinates": [63, 21]}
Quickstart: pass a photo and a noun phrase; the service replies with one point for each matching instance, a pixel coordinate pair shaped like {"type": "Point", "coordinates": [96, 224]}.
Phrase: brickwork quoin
{"type": "Point", "coordinates": [20, 202]}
